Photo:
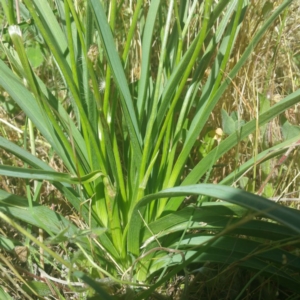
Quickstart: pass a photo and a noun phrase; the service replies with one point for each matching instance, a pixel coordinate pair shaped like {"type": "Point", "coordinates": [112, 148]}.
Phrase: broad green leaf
{"type": "Point", "coordinates": [267, 8]}
{"type": "Point", "coordinates": [4, 295]}
{"type": "Point", "coordinates": [7, 244]}
{"type": "Point", "coordinates": [230, 124]}
{"type": "Point", "coordinates": [35, 56]}
{"type": "Point", "coordinates": [41, 288]}
{"type": "Point", "coordinates": [288, 130]}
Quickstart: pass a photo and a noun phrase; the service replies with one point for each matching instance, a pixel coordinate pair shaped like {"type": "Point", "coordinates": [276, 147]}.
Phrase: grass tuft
{"type": "Point", "coordinates": [149, 150]}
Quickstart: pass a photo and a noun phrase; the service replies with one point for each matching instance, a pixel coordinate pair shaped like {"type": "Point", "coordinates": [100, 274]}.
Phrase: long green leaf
{"type": "Point", "coordinates": [202, 256]}
{"type": "Point", "coordinates": [64, 67]}
{"type": "Point", "coordinates": [146, 50]}
{"type": "Point", "coordinates": [246, 248]}
{"type": "Point", "coordinates": [238, 136]}
{"type": "Point", "coordinates": [284, 215]}
{"type": "Point", "coordinates": [199, 122]}
{"type": "Point", "coordinates": [120, 79]}
{"type": "Point", "coordinates": [47, 175]}
{"type": "Point", "coordinates": [203, 166]}
{"type": "Point", "coordinates": [260, 158]}
{"type": "Point", "coordinates": [17, 207]}
{"type": "Point", "coordinates": [213, 218]}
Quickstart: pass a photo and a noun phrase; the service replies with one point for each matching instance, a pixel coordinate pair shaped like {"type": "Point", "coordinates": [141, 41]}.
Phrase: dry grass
{"type": "Point", "coordinates": [271, 74]}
